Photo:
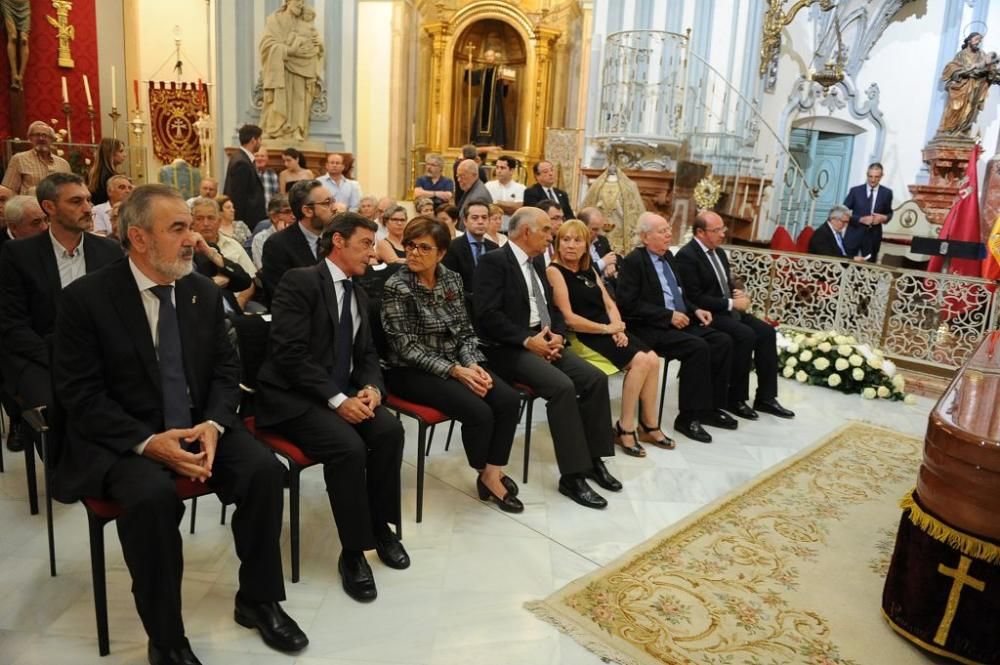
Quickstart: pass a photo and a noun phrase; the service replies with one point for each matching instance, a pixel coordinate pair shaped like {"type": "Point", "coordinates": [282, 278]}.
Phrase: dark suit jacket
{"type": "Point", "coordinates": [500, 299]}
{"type": "Point", "coordinates": [239, 280]}
{"type": "Point", "coordinates": [857, 201]}
{"type": "Point", "coordinates": [106, 376]}
{"type": "Point", "coordinates": [698, 276]}
{"type": "Point", "coordinates": [283, 251]}
{"type": "Point", "coordinates": [244, 187]}
{"type": "Point", "coordinates": [30, 293]}
{"type": "Point", "coordinates": [477, 193]}
{"type": "Point", "coordinates": [298, 371]}
{"type": "Point", "coordinates": [639, 294]}
{"type": "Point", "coordinates": [824, 243]}
{"type": "Point", "coordinates": [535, 193]}
{"type": "Point", "coordinates": [459, 259]}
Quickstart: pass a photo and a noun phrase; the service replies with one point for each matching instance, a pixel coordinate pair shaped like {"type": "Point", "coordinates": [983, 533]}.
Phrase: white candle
{"type": "Point", "coordinates": [86, 89]}
{"type": "Point", "coordinates": [65, 93]}
{"type": "Point", "coordinates": [114, 89]}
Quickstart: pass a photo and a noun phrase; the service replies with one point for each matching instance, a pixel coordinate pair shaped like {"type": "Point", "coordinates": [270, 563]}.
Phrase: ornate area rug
{"type": "Point", "coordinates": [785, 571]}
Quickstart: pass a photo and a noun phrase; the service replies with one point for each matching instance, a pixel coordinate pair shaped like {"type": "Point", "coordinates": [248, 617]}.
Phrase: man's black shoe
{"type": "Point", "coordinates": [719, 418]}
{"type": "Point", "coordinates": [692, 429]}
{"type": "Point", "coordinates": [771, 406]}
{"type": "Point", "coordinates": [357, 576]}
{"type": "Point", "coordinates": [575, 487]}
{"type": "Point", "coordinates": [390, 550]}
{"type": "Point", "coordinates": [177, 656]}
{"type": "Point", "coordinates": [277, 629]}
{"type": "Point", "coordinates": [743, 410]}
{"type": "Point", "coordinates": [603, 477]}
{"type": "Point", "coordinates": [17, 437]}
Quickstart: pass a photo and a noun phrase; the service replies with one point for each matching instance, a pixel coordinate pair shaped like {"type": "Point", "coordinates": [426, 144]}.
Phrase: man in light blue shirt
{"type": "Point", "coordinates": [346, 192]}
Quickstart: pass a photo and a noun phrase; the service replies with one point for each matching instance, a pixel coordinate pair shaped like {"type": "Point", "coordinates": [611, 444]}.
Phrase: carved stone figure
{"type": "Point", "coordinates": [17, 22]}
{"type": "Point", "coordinates": [617, 196]}
{"type": "Point", "coordinates": [489, 125]}
{"type": "Point", "coordinates": [291, 54]}
{"type": "Point", "coordinates": [967, 80]}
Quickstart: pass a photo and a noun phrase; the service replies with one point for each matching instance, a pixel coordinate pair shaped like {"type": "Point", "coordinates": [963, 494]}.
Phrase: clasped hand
{"type": "Point", "coordinates": [473, 377]}
{"type": "Point", "coordinates": [361, 407]}
{"type": "Point", "coordinates": [168, 449]}
{"type": "Point", "coordinates": [546, 344]}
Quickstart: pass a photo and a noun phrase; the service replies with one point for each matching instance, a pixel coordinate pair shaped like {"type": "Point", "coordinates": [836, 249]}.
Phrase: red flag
{"type": "Point", "coordinates": [962, 222]}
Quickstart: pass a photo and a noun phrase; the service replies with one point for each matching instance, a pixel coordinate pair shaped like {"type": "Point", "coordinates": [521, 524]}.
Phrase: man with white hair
{"type": "Point", "coordinates": [25, 218]}
{"type": "Point", "coordinates": [119, 187]}
{"type": "Point", "coordinates": [6, 194]}
{"type": "Point", "coordinates": [27, 169]}
{"type": "Point", "coordinates": [470, 187]}
{"type": "Point", "coordinates": [653, 301]}
{"type": "Point", "coordinates": [828, 240]}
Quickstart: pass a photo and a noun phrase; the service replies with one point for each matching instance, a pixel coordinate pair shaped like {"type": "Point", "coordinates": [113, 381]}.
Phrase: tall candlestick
{"type": "Point", "coordinates": [114, 88]}
{"type": "Point", "coordinates": [64, 91]}
{"type": "Point", "coordinates": [86, 89]}
{"type": "Point", "coordinates": [135, 88]}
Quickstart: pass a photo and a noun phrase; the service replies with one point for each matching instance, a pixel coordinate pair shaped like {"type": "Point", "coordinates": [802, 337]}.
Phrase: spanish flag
{"type": "Point", "coordinates": [991, 264]}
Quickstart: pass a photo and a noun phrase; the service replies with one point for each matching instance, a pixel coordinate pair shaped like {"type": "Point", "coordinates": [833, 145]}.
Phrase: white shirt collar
{"type": "Point", "coordinates": [141, 280]}
{"type": "Point", "coordinates": [336, 273]}
{"type": "Point", "coordinates": [702, 245]}
{"type": "Point", "coordinates": [61, 251]}
{"type": "Point", "coordinates": [250, 156]}
{"type": "Point", "coordinates": [519, 254]}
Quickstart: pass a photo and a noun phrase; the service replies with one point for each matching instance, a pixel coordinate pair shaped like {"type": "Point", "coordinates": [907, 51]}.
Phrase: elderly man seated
{"type": "Point", "coordinates": [828, 240]}
{"type": "Point", "coordinates": [279, 215]}
{"type": "Point", "coordinates": [220, 257]}
{"type": "Point", "coordinates": [119, 187]}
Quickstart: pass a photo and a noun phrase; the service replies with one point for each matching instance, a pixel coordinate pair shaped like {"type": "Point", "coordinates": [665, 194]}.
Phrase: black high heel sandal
{"type": "Point", "coordinates": [646, 436]}
{"type": "Point", "coordinates": [620, 434]}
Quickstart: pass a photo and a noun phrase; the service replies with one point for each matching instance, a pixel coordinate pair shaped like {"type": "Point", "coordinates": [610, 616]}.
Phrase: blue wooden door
{"type": "Point", "coordinates": [825, 159]}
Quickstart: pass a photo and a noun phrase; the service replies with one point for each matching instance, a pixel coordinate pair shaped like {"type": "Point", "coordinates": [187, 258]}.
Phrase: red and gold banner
{"type": "Point", "coordinates": [173, 110]}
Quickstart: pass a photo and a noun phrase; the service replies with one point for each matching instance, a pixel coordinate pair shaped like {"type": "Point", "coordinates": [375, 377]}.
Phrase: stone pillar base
{"type": "Point", "coordinates": [947, 159]}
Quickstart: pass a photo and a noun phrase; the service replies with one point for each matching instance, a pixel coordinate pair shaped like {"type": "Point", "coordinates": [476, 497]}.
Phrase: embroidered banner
{"type": "Point", "coordinates": [173, 110]}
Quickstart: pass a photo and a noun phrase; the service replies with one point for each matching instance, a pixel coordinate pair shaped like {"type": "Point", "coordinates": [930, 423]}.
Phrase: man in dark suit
{"type": "Point", "coordinates": [297, 246]}
{"type": "Point", "coordinates": [524, 334]}
{"type": "Point", "coordinates": [545, 188]}
{"type": "Point", "coordinates": [148, 382]}
{"type": "Point", "coordinates": [871, 208]}
{"type": "Point", "coordinates": [828, 239]}
{"type": "Point", "coordinates": [468, 187]}
{"type": "Point", "coordinates": [601, 254]}
{"type": "Point", "coordinates": [23, 218]}
{"type": "Point", "coordinates": [243, 185]}
{"type": "Point", "coordinates": [705, 272]}
{"type": "Point", "coordinates": [466, 250]}
{"type": "Point", "coordinates": [33, 273]}
{"type": "Point", "coordinates": [654, 302]}
{"type": "Point", "coordinates": [322, 388]}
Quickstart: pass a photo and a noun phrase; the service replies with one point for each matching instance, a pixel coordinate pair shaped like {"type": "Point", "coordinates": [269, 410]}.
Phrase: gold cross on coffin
{"type": "Point", "coordinates": [961, 579]}
{"type": "Point", "coordinates": [66, 32]}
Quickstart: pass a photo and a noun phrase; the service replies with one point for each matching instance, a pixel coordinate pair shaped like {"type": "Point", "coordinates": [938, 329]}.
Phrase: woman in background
{"type": "Point", "coordinates": [294, 171]}
{"type": "Point", "coordinates": [110, 158]}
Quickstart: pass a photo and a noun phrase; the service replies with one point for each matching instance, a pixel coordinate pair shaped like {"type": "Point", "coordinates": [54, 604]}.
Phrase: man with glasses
{"type": "Point", "coordinates": [27, 169]}
{"type": "Point", "coordinates": [705, 273]}
{"type": "Point", "coordinates": [279, 216]}
{"type": "Point", "coordinates": [297, 246]}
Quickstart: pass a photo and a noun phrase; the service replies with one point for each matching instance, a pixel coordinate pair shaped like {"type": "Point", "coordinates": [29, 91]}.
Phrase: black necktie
{"type": "Point", "coordinates": [477, 251]}
{"type": "Point", "coordinates": [345, 339]}
{"type": "Point", "coordinates": [871, 197]}
{"type": "Point", "coordinates": [176, 403]}
{"type": "Point", "coordinates": [552, 195]}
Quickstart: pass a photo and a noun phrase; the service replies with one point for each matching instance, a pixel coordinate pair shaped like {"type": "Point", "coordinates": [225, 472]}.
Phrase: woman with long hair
{"type": "Point", "coordinates": [109, 161]}
{"type": "Point", "coordinates": [230, 226]}
{"type": "Point", "coordinates": [294, 171]}
{"type": "Point", "coordinates": [390, 248]}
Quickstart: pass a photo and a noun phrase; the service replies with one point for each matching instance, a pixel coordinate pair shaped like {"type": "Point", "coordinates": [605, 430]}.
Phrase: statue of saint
{"type": "Point", "coordinates": [291, 54]}
{"type": "Point", "coordinates": [967, 80]}
{"type": "Point", "coordinates": [617, 196]}
{"type": "Point", "coordinates": [488, 120]}
{"type": "Point", "coordinates": [17, 22]}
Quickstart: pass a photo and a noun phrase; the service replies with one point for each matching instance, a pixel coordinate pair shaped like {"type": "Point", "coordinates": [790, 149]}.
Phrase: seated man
{"type": "Point", "coordinates": [279, 216]}
{"type": "Point", "coordinates": [321, 387]}
{"type": "Point", "coordinates": [119, 187]}
{"type": "Point", "coordinates": [524, 333]}
{"type": "Point", "coordinates": [148, 381]}
{"type": "Point", "coordinates": [605, 260]}
{"type": "Point", "coordinates": [705, 272]}
{"type": "Point", "coordinates": [207, 189]}
{"type": "Point", "coordinates": [297, 246]}
{"type": "Point", "coordinates": [232, 267]}
{"type": "Point", "coordinates": [466, 250]}
{"type": "Point", "coordinates": [33, 273]}
{"type": "Point", "coordinates": [828, 240]}
{"type": "Point", "coordinates": [556, 216]}
{"type": "Point", "coordinates": [654, 303]}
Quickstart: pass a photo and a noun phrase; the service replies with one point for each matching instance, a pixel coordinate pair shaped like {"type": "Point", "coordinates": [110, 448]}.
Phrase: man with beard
{"type": "Point", "coordinates": [33, 273]}
{"type": "Point", "coordinates": [148, 380]}
{"type": "Point", "coordinates": [27, 169]}
{"type": "Point", "coordinates": [298, 245]}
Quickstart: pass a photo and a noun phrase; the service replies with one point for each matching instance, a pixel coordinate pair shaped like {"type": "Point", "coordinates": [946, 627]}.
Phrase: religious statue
{"type": "Point", "coordinates": [17, 22]}
{"type": "Point", "coordinates": [617, 196]}
{"type": "Point", "coordinates": [488, 120]}
{"type": "Point", "coordinates": [291, 54]}
{"type": "Point", "coordinates": [967, 80]}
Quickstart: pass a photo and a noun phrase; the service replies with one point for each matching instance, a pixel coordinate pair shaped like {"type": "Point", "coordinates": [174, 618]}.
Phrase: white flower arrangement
{"type": "Point", "coordinates": [824, 347]}
{"type": "Point", "coordinates": [833, 380]}
{"type": "Point", "coordinates": [856, 360]}
{"type": "Point", "coordinates": [858, 374]}
{"type": "Point", "coordinates": [801, 376]}
{"type": "Point", "coordinates": [788, 372]}
{"type": "Point", "coordinates": [806, 356]}
{"type": "Point", "coordinates": [868, 393]}
{"type": "Point", "coordinates": [821, 363]}
{"type": "Point", "coordinates": [841, 364]}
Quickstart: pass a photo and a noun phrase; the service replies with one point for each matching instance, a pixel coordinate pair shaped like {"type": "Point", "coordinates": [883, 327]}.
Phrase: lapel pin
{"type": "Point", "coordinates": [194, 299]}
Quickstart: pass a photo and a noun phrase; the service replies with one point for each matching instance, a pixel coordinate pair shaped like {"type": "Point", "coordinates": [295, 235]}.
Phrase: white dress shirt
{"type": "Point", "coordinates": [71, 266]}
{"type": "Point", "coordinates": [311, 238]}
{"type": "Point", "coordinates": [338, 277]}
{"type": "Point", "coordinates": [528, 273]}
{"type": "Point", "coordinates": [102, 218]}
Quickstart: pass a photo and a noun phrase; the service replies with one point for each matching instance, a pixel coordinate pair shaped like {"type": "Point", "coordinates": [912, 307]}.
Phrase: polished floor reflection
{"type": "Point", "coordinates": [473, 566]}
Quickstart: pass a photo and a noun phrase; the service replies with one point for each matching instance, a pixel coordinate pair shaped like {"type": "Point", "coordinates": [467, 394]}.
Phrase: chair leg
{"type": "Point", "coordinates": [527, 436]}
{"type": "Point", "coordinates": [447, 443]}
{"type": "Point", "coordinates": [663, 393]}
{"type": "Point", "coordinates": [100, 585]}
{"type": "Point", "coordinates": [430, 440]}
{"type": "Point", "coordinates": [222, 520]}
{"type": "Point", "coordinates": [421, 442]}
{"type": "Point", "coordinates": [194, 512]}
{"type": "Point", "coordinates": [46, 478]}
{"type": "Point", "coordinates": [293, 515]}
{"type": "Point", "coordinates": [29, 470]}
{"type": "Point", "coordinates": [3, 438]}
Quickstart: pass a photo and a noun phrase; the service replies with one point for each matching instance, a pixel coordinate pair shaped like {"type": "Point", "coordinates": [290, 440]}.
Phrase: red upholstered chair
{"type": "Point", "coordinates": [427, 418]}
{"type": "Point", "coordinates": [782, 241]}
{"type": "Point", "coordinates": [99, 513]}
{"type": "Point", "coordinates": [802, 242]}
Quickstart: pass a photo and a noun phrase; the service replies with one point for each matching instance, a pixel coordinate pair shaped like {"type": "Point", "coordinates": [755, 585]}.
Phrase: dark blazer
{"type": "Point", "coordinates": [477, 193]}
{"type": "Point", "coordinates": [244, 187]}
{"type": "Point", "coordinates": [824, 243]}
{"type": "Point", "coordinates": [535, 193]}
{"type": "Point", "coordinates": [30, 293]}
{"type": "Point", "coordinates": [107, 380]}
{"type": "Point", "coordinates": [500, 299]}
{"type": "Point", "coordinates": [4, 236]}
{"type": "Point", "coordinates": [283, 251]}
{"type": "Point", "coordinates": [239, 280]}
{"type": "Point", "coordinates": [459, 259]}
{"type": "Point", "coordinates": [857, 233]}
{"type": "Point", "coordinates": [698, 276]}
{"type": "Point", "coordinates": [298, 371]}
{"type": "Point", "coordinates": [639, 294]}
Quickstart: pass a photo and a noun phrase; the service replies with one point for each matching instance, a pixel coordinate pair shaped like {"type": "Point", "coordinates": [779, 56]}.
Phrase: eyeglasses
{"type": "Point", "coordinates": [326, 203]}
{"type": "Point", "coordinates": [398, 220]}
{"type": "Point", "coordinates": [419, 248]}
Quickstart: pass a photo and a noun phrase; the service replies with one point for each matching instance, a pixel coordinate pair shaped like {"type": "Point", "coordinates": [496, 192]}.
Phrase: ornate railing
{"type": "Point", "coordinates": [929, 319]}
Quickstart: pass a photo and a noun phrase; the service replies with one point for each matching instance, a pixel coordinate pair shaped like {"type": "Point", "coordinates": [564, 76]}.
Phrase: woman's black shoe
{"type": "Point", "coordinates": [509, 485]}
{"type": "Point", "coordinates": [508, 504]}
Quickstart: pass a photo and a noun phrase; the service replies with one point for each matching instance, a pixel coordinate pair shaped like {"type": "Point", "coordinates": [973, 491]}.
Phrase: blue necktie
{"type": "Point", "coordinates": [675, 289]}
{"type": "Point", "coordinates": [345, 340]}
{"type": "Point", "coordinates": [840, 243]}
{"type": "Point", "coordinates": [176, 403]}
{"type": "Point", "coordinates": [477, 251]}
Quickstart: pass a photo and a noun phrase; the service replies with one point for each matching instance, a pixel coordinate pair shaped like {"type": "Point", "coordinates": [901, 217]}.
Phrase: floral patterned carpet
{"type": "Point", "coordinates": [785, 571]}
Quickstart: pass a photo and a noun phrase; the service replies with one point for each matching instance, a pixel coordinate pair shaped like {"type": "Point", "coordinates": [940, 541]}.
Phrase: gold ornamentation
{"type": "Point", "coordinates": [961, 579]}
{"type": "Point", "coordinates": [775, 21]}
{"type": "Point", "coordinates": [941, 532]}
{"type": "Point", "coordinates": [707, 193]}
{"type": "Point", "coordinates": [66, 32]}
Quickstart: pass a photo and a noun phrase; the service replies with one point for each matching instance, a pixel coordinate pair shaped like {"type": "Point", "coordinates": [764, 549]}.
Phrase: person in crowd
{"type": "Point", "coordinates": [346, 192]}
{"type": "Point", "coordinates": [243, 185]}
{"type": "Point", "coordinates": [601, 339]}
{"type": "Point", "coordinates": [871, 209]}
{"type": "Point", "coordinates": [24, 218]}
{"type": "Point", "coordinates": [208, 188]}
{"type": "Point", "coordinates": [279, 215]}
{"type": "Point", "coordinates": [110, 161]}
{"type": "Point", "coordinates": [554, 211]}
{"type": "Point", "coordinates": [368, 207]}
{"type": "Point", "coordinates": [231, 269]}
{"type": "Point", "coordinates": [297, 245]}
{"type": "Point", "coordinates": [228, 224]}
{"type": "Point", "coordinates": [506, 192]}
{"type": "Point", "coordinates": [469, 186]}
{"type": "Point", "coordinates": [295, 169]}
{"type": "Point", "coordinates": [465, 251]}
{"type": "Point", "coordinates": [496, 223]}
{"type": "Point", "coordinates": [267, 176]}
{"type": "Point", "coordinates": [448, 215]}
{"type": "Point", "coordinates": [470, 151]}
{"type": "Point", "coordinates": [828, 239]}
{"type": "Point", "coordinates": [6, 194]}
{"type": "Point", "coordinates": [704, 270]}
{"type": "Point", "coordinates": [384, 204]}
{"type": "Point", "coordinates": [424, 206]}
{"type": "Point", "coordinates": [524, 334]}
{"type": "Point", "coordinates": [322, 388]}
{"type": "Point", "coordinates": [116, 190]}
{"type": "Point", "coordinates": [148, 381]}
{"type": "Point", "coordinates": [435, 359]}
{"type": "Point", "coordinates": [545, 188]}
{"type": "Point", "coordinates": [432, 184]}
{"type": "Point", "coordinates": [654, 303]}
{"type": "Point", "coordinates": [390, 249]}
{"type": "Point", "coordinates": [601, 255]}
{"type": "Point", "coordinates": [26, 169]}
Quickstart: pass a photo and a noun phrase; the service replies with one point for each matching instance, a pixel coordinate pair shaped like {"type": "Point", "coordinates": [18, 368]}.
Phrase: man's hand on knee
{"type": "Point", "coordinates": [168, 449]}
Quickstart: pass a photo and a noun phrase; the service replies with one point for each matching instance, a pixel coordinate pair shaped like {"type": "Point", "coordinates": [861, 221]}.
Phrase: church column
{"type": "Point", "coordinates": [545, 39]}
{"type": "Point", "coordinates": [438, 32]}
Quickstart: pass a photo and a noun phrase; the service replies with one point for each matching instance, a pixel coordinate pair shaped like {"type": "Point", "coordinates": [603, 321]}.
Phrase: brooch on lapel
{"type": "Point", "coordinates": [450, 295]}
{"type": "Point", "coordinates": [194, 299]}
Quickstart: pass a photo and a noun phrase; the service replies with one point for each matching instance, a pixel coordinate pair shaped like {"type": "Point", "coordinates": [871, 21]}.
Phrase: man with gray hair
{"type": "Point", "coordinates": [26, 169]}
{"type": "Point", "coordinates": [432, 184]}
{"type": "Point", "coordinates": [119, 187]}
{"type": "Point", "coordinates": [515, 316]}
{"type": "Point", "coordinates": [25, 218]}
{"type": "Point", "coordinates": [470, 187]}
{"type": "Point", "coordinates": [828, 239]}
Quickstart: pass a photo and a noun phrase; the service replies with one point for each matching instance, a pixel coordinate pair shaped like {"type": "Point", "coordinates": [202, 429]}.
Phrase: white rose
{"type": "Point", "coordinates": [793, 348]}
{"type": "Point", "coordinates": [856, 360]}
{"type": "Point", "coordinates": [821, 364]}
{"type": "Point", "coordinates": [898, 382]}
{"type": "Point", "coordinates": [858, 374]}
{"type": "Point", "coordinates": [868, 393]}
{"type": "Point", "coordinates": [845, 350]}
{"type": "Point", "coordinates": [799, 339]}
{"type": "Point", "coordinates": [883, 392]}
{"type": "Point", "coordinates": [910, 399]}
{"type": "Point", "coordinates": [839, 339]}
{"type": "Point", "coordinates": [801, 376]}
{"type": "Point", "coordinates": [841, 364]}
{"type": "Point", "coordinates": [791, 362]}
{"type": "Point", "coordinates": [850, 339]}
{"type": "Point", "coordinates": [824, 347]}
{"type": "Point", "coordinates": [875, 363]}
{"type": "Point", "coordinates": [806, 356]}
{"type": "Point", "coordinates": [833, 380]}
{"type": "Point", "coordinates": [788, 372]}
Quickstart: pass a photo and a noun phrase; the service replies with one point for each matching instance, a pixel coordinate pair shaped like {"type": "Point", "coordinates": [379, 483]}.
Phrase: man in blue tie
{"type": "Point", "coordinates": [828, 240]}
{"type": "Point", "coordinates": [466, 250]}
{"type": "Point", "coordinates": [871, 208]}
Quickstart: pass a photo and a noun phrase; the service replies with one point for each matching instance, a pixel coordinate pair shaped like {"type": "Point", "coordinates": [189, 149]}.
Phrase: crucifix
{"type": "Point", "coordinates": [66, 32]}
{"type": "Point", "coordinates": [961, 578]}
